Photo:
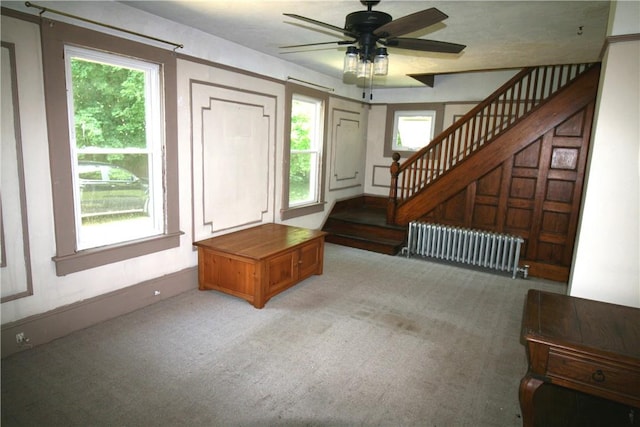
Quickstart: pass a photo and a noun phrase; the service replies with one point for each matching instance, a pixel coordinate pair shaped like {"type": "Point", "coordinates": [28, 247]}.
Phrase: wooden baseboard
{"type": "Point", "coordinates": [547, 271]}
{"type": "Point", "coordinates": [45, 327]}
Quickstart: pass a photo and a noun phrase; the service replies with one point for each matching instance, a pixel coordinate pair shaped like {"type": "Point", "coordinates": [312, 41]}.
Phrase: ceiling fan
{"type": "Point", "coordinates": [366, 30]}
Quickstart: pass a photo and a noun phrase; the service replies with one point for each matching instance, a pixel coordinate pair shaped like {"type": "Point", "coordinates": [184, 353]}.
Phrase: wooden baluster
{"type": "Point", "coordinates": [451, 151]}
{"type": "Point", "coordinates": [552, 80]}
{"type": "Point", "coordinates": [443, 154]}
{"type": "Point", "coordinates": [493, 112]}
{"type": "Point", "coordinates": [510, 102]}
{"type": "Point", "coordinates": [423, 170]}
{"type": "Point", "coordinates": [528, 92]}
{"type": "Point", "coordinates": [467, 139]}
{"type": "Point", "coordinates": [414, 179]}
{"type": "Point", "coordinates": [497, 120]}
{"type": "Point", "coordinates": [543, 85]}
{"type": "Point", "coordinates": [518, 99]}
{"type": "Point", "coordinates": [502, 112]}
{"type": "Point", "coordinates": [437, 161]}
{"type": "Point", "coordinates": [458, 143]}
{"type": "Point", "coordinates": [393, 189]}
{"type": "Point", "coordinates": [485, 120]}
{"type": "Point", "coordinates": [474, 140]}
{"type": "Point", "coordinates": [404, 188]}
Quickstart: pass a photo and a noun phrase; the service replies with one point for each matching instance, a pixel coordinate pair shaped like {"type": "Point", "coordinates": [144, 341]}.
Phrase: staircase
{"type": "Point", "coordinates": [361, 223]}
{"type": "Point", "coordinates": [496, 130]}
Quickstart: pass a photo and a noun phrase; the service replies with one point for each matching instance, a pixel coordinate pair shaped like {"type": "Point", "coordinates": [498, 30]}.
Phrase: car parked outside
{"type": "Point", "coordinates": [108, 189]}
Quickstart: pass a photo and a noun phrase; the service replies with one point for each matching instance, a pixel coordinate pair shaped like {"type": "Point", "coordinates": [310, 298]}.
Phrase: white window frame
{"type": "Point", "coordinates": [425, 139]}
{"type": "Point", "coordinates": [390, 125]}
{"type": "Point", "coordinates": [316, 136]}
{"type": "Point", "coordinates": [154, 138]}
{"type": "Point", "coordinates": [289, 210]}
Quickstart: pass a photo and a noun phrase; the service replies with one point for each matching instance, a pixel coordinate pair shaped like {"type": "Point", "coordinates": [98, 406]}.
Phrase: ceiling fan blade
{"type": "Point", "coordinates": [410, 23]}
{"type": "Point", "coordinates": [321, 24]}
{"type": "Point", "coordinates": [340, 42]}
{"type": "Point", "coordinates": [424, 45]}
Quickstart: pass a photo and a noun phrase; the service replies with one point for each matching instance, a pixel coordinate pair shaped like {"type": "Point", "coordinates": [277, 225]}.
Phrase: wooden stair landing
{"type": "Point", "coordinates": [361, 223]}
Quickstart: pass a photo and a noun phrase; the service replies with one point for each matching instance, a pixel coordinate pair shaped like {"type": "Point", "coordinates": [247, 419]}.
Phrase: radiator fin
{"type": "Point", "coordinates": [484, 249]}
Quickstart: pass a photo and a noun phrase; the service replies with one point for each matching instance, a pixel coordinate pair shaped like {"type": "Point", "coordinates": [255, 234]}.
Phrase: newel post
{"type": "Point", "coordinates": [393, 189]}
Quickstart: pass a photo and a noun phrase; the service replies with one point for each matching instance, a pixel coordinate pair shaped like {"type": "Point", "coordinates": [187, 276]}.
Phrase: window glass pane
{"type": "Point", "coordinates": [109, 105]}
{"type": "Point", "coordinates": [302, 178]}
{"type": "Point", "coordinates": [413, 129]}
{"type": "Point", "coordinates": [115, 141]}
{"type": "Point", "coordinates": [303, 124]}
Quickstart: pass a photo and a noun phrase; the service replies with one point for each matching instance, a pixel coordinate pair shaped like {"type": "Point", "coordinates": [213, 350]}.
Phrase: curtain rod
{"type": "Point", "coordinates": [330, 89]}
{"type": "Point", "coordinates": [46, 9]}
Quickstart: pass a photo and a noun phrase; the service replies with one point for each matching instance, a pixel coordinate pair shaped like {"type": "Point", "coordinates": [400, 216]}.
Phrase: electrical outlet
{"type": "Point", "coordinates": [20, 338]}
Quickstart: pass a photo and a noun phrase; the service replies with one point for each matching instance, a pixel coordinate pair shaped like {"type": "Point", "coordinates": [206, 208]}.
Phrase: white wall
{"type": "Point", "coordinates": [51, 292]}
{"type": "Point", "coordinates": [607, 256]}
{"type": "Point", "coordinates": [226, 212]}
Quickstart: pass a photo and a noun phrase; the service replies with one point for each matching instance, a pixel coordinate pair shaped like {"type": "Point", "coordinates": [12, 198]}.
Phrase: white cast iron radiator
{"type": "Point", "coordinates": [474, 247]}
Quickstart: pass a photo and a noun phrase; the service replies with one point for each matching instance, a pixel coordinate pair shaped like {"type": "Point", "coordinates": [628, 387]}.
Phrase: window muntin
{"type": "Point", "coordinates": [115, 127]}
{"type": "Point", "coordinates": [306, 142]}
{"type": "Point", "coordinates": [413, 130]}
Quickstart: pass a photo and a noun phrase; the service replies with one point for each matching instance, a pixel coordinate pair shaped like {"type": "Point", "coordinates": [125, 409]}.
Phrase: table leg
{"type": "Point", "coordinates": [528, 387]}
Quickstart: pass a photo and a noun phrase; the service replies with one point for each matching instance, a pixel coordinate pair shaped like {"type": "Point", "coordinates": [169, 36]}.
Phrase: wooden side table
{"type": "Point", "coordinates": [588, 346]}
{"type": "Point", "coordinates": [257, 263]}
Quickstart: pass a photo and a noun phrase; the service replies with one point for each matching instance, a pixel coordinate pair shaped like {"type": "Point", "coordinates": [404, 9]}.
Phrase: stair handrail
{"type": "Point", "coordinates": [518, 97]}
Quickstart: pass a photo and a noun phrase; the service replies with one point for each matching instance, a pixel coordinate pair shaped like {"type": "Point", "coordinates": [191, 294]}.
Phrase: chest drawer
{"type": "Point", "coordinates": [619, 379]}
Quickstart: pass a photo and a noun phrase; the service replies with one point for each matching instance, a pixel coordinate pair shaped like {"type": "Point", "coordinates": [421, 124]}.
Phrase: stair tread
{"type": "Point", "coordinates": [369, 216]}
{"type": "Point", "coordinates": [364, 226]}
{"type": "Point", "coordinates": [367, 239]}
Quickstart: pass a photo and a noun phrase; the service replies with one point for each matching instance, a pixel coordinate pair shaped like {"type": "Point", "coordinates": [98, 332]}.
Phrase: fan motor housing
{"type": "Point", "coordinates": [366, 21]}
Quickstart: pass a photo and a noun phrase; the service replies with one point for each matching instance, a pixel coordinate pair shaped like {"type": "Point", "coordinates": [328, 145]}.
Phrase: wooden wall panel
{"type": "Point", "coordinates": [535, 194]}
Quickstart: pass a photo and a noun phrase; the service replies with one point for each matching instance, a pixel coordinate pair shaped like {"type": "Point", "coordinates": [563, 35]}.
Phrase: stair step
{"type": "Point", "coordinates": [384, 246]}
{"type": "Point", "coordinates": [361, 222]}
{"type": "Point", "coordinates": [364, 230]}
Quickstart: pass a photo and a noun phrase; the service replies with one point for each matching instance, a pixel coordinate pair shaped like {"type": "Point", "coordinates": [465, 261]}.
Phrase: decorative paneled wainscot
{"type": "Point", "coordinates": [15, 257]}
{"type": "Point", "coordinates": [348, 126]}
{"type": "Point", "coordinates": [233, 149]}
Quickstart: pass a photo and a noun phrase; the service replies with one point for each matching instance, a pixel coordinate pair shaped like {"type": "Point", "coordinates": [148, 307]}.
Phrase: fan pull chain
{"type": "Point", "coordinates": [371, 87]}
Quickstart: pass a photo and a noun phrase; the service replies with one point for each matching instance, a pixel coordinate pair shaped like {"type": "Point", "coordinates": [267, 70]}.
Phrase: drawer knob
{"type": "Point", "coordinates": [598, 376]}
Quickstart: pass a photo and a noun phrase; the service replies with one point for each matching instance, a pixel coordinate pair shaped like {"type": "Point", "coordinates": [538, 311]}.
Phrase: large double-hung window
{"type": "Point", "coordinates": [306, 150]}
{"type": "Point", "coordinates": [116, 134]}
{"type": "Point", "coordinates": [304, 156]}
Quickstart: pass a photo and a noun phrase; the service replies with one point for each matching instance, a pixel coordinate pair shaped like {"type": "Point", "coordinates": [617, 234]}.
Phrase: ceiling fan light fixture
{"type": "Point", "coordinates": [365, 69]}
{"type": "Point", "coordinates": [381, 62]}
{"type": "Point", "coordinates": [367, 29]}
{"type": "Point", "coordinates": [351, 61]}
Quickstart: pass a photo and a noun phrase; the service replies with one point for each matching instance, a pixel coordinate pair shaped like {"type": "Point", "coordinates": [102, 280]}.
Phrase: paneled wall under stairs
{"type": "Point", "coordinates": [535, 193]}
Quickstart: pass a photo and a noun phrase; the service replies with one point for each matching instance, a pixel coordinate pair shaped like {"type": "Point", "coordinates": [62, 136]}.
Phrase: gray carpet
{"type": "Point", "coordinates": [375, 340]}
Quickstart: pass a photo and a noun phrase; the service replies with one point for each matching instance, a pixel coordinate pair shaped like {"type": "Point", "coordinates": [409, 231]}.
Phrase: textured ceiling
{"type": "Point", "coordinates": [498, 34]}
